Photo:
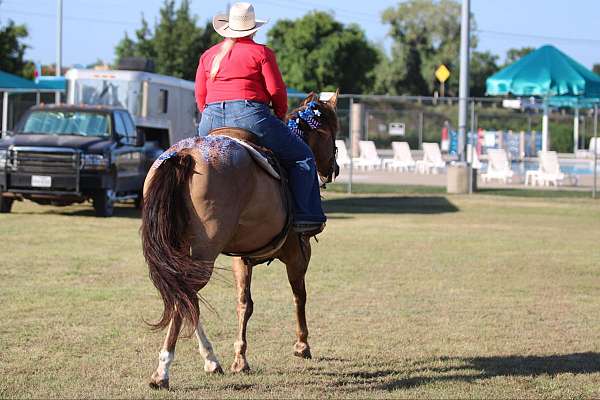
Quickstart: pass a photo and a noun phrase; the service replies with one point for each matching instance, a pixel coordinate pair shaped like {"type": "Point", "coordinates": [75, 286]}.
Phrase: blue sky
{"type": "Point", "coordinates": [92, 28]}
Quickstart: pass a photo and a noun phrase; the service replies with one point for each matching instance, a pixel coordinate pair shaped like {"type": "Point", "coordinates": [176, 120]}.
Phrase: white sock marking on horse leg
{"type": "Point", "coordinates": [165, 358]}
{"type": "Point", "coordinates": [210, 360]}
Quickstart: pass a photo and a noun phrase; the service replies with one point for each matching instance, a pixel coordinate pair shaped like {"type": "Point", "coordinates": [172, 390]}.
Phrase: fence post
{"type": "Point", "coordinates": [350, 118]}
{"type": "Point", "coordinates": [500, 139]}
{"type": "Point", "coordinates": [522, 145]}
{"type": "Point", "coordinates": [420, 130]}
{"type": "Point", "coordinates": [595, 149]}
{"type": "Point", "coordinates": [356, 126]}
{"type": "Point", "coordinates": [469, 157]}
{"type": "Point", "coordinates": [4, 114]}
{"type": "Point", "coordinates": [356, 133]}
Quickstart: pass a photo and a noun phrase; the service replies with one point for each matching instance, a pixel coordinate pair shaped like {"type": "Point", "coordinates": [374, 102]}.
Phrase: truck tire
{"type": "Point", "coordinates": [5, 204]}
{"type": "Point", "coordinates": [139, 200]}
{"type": "Point", "coordinates": [103, 203]}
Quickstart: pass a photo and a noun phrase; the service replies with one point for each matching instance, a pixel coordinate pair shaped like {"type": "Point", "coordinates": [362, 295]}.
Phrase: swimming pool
{"type": "Point", "coordinates": [567, 166]}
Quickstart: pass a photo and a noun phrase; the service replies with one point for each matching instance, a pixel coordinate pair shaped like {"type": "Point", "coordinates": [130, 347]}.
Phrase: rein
{"type": "Point", "coordinates": [310, 116]}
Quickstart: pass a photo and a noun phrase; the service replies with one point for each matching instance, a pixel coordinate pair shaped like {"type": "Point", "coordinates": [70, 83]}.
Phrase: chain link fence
{"type": "Point", "coordinates": [383, 120]}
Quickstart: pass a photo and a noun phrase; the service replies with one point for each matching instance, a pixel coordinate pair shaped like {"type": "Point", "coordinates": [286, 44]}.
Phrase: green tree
{"type": "Point", "coordinates": [12, 48]}
{"type": "Point", "coordinates": [514, 54]}
{"type": "Point", "coordinates": [316, 52]}
{"type": "Point", "coordinates": [98, 63]}
{"type": "Point", "coordinates": [142, 46]}
{"type": "Point", "coordinates": [191, 41]}
{"type": "Point", "coordinates": [165, 41]}
{"type": "Point", "coordinates": [175, 43]}
{"type": "Point", "coordinates": [596, 68]}
{"type": "Point", "coordinates": [482, 66]}
{"type": "Point", "coordinates": [125, 48]}
{"type": "Point", "coordinates": [426, 34]}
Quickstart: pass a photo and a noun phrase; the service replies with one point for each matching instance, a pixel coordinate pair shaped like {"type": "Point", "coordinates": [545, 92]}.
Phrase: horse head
{"type": "Point", "coordinates": [316, 122]}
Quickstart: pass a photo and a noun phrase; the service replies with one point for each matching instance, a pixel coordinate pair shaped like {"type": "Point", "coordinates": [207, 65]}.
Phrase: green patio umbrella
{"type": "Point", "coordinates": [545, 72]}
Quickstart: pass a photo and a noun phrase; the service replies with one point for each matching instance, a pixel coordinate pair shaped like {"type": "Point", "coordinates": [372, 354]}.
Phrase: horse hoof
{"type": "Point", "coordinates": [162, 384]}
{"type": "Point", "coordinates": [302, 351]}
{"type": "Point", "coordinates": [240, 366]}
{"type": "Point", "coordinates": [212, 369]}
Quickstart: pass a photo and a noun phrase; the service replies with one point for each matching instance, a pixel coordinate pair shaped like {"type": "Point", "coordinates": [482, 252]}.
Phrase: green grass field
{"type": "Point", "coordinates": [409, 296]}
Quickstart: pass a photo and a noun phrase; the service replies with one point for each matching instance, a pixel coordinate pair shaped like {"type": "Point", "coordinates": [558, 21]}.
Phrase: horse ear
{"type": "Point", "coordinates": [333, 100]}
{"type": "Point", "coordinates": [308, 99]}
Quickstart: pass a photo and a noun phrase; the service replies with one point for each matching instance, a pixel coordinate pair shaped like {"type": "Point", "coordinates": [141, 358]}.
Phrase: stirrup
{"type": "Point", "coordinates": [308, 228]}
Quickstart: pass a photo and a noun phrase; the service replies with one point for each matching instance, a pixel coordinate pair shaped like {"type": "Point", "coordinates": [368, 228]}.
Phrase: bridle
{"type": "Point", "coordinates": [304, 122]}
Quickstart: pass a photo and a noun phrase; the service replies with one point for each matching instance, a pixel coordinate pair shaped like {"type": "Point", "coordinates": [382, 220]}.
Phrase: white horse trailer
{"type": "Point", "coordinates": [162, 106]}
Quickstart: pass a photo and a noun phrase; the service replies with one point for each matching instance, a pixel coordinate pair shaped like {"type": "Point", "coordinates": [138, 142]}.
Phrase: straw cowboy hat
{"type": "Point", "coordinates": [240, 22]}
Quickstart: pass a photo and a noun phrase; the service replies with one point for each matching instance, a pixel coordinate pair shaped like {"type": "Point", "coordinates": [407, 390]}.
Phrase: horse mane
{"type": "Point", "coordinates": [328, 115]}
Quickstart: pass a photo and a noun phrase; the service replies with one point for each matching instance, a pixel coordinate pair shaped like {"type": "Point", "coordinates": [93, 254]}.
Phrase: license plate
{"type": "Point", "coordinates": [41, 181]}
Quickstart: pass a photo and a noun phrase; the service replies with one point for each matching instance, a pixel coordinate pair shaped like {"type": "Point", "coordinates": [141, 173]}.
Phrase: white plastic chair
{"type": "Point", "coordinates": [498, 166]}
{"type": "Point", "coordinates": [594, 146]}
{"type": "Point", "coordinates": [432, 160]}
{"type": "Point", "coordinates": [402, 160]}
{"type": "Point", "coordinates": [549, 170]}
{"type": "Point", "coordinates": [343, 159]}
{"type": "Point", "coordinates": [369, 159]}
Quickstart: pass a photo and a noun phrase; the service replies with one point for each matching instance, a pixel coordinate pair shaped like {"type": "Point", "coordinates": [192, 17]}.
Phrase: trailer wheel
{"type": "Point", "coordinates": [104, 203]}
{"type": "Point", "coordinates": [5, 204]}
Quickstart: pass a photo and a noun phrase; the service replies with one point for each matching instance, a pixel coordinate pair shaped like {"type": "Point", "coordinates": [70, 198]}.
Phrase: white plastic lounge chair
{"type": "Point", "coordinates": [594, 146]}
{"type": "Point", "coordinates": [343, 159]}
{"type": "Point", "coordinates": [498, 166]}
{"type": "Point", "coordinates": [402, 160]}
{"type": "Point", "coordinates": [369, 159]}
{"type": "Point", "coordinates": [472, 157]}
{"type": "Point", "coordinates": [432, 160]}
{"type": "Point", "coordinates": [549, 170]}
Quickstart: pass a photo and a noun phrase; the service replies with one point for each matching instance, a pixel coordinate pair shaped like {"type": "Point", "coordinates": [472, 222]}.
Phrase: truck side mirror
{"type": "Point", "coordinates": [121, 139]}
{"type": "Point", "coordinates": [139, 137]}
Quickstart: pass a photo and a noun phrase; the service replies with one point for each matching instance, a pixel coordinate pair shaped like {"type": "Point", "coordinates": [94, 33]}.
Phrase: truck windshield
{"type": "Point", "coordinates": [80, 123]}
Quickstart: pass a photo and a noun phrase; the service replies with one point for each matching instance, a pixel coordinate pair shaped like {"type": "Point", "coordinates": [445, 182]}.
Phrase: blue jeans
{"type": "Point", "coordinates": [293, 153]}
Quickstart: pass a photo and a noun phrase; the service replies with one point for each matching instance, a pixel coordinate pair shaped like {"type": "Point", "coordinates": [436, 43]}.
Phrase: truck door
{"type": "Point", "coordinates": [129, 159]}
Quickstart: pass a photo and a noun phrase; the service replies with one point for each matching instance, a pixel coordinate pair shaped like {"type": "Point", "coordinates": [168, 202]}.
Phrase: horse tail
{"type": "Point", "coordinates": [166, 245]}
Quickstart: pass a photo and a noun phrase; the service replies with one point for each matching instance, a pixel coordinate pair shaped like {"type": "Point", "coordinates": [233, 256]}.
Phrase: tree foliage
{"type": "Point", "coordinates": [596, 68]}
{"type": "Point", "coordinates": [175, 43]}
{"type": "Point", "coordinates": [515, 54]}
{"type": "Point", "coordinates": [316, 52]}
{"type": "Point", "coordinates": [482, 66]}
{"type": "Point", "coordinates": [425, 34]}
{"type": "Point", "coordinates": [12, 48]}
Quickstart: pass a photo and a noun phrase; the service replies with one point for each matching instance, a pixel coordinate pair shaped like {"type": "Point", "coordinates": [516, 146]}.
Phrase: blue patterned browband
{"type": "Point", "coordinates": [308, 115]}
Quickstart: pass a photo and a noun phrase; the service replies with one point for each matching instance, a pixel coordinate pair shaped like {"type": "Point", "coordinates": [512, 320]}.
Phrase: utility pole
{"type": "Point", "coordinates": [594, 188]}
{"type": "Point", "coordinates": [59, 23]}
{"type": "Point", "coordinates": [463, 89]}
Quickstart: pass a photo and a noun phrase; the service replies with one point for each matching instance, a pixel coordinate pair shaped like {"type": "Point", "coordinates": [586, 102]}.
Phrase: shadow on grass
{"type": "Point", "coordinates": [119, 212]}
{"type": "Point", "coordinates": [390, 205]}
{"type": "Point", "coordinates": [468, 370]}
{"type": "Point", "coordinates": [536, 193]}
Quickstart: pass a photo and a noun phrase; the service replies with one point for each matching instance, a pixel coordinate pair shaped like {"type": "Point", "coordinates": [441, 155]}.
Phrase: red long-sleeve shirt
{"type": "Point", "coordinates": [248, 72]}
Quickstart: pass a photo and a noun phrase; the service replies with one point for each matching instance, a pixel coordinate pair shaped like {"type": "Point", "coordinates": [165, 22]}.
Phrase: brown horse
{"type": "Point", "coordinates": [207, 196]}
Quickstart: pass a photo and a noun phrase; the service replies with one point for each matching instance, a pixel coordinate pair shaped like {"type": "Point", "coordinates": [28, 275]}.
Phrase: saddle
{"type": "Point", "coordinates": [263, 156]}
{"type": "Point", "coordinates": [268, 162]}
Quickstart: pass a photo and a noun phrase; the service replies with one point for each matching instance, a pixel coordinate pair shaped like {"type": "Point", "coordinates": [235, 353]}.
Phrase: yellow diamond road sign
{"type": "Point", "coordinates": [442, 73]}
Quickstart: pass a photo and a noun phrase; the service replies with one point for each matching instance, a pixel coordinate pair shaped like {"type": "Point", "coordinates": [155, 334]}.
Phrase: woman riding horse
{"type": "Point", "coordinates": [235, 82]}
{"type": "Point", "coordinates": [206, 195]}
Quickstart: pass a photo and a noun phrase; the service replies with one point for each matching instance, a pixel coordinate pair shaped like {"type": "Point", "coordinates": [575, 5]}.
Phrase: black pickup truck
{"type": "Point", "coordinates": [65, 154]}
